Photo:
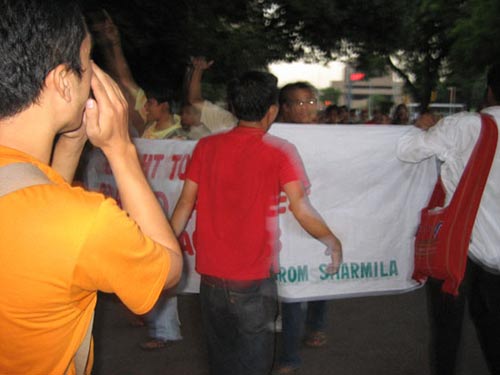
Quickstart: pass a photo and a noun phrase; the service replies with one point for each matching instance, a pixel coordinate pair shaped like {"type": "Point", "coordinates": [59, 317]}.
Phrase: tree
{"type": "Point", "coordinates": [330, 94]}
{"type": "Point", "coordinates": [159, 37]}
{"type": "Point", "coordinates": [476, 37]}
{"type": "Point", "coordinates": [412, 37]}
{"type": "Point", "coordinates": [428, 43]}
{"type": "Point", "coordinates": [475, 48]}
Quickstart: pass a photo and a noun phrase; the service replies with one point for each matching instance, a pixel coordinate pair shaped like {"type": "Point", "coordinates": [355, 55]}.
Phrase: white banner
{"type": "Point", "coordinates": [367, 196]}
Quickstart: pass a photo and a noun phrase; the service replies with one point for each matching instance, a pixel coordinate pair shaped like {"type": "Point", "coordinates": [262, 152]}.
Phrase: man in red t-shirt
{"type": "Point", "coordinates": [235, 179]}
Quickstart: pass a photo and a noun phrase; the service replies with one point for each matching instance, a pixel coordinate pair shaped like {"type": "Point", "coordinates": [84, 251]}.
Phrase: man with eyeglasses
{"type": "Point", "coordinates": [299, 105]}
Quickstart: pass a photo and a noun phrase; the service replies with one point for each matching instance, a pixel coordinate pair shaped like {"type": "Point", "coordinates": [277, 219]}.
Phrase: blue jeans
{"type": "Point", "coordinates": [163, 320]}
{"type": "Point", "coordinates": [292, 315]}
{"type": "Point", "coordinates": [236, 317]}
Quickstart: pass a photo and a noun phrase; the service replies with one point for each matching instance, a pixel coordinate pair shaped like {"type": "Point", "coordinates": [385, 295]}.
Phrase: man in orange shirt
{"type": "Point", "coordinates": [61, 244]}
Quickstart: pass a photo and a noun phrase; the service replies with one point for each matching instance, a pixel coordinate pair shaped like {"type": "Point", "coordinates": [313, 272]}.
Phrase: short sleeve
{"type": "Point", "coordinates": [194, 168]}
{"type": "Point", "coordinates": [117, 257]}
{"type": "Point", "coordinates": [292, 167]}
{"type": "Point", "coordinates": [140, 102]}
{"type": "Point", "coordinates": [216, 118]}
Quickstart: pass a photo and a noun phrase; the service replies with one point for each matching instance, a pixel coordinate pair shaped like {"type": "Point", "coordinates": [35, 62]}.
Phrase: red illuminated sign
{"type": "Point", "coordinates": [357, 76]}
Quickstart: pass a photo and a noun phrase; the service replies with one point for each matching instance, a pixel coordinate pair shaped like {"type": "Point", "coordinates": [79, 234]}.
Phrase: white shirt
{"type": "Point", "coordinates": [216, 118]}
{"type": "Point", "coordinates": [452, 140]}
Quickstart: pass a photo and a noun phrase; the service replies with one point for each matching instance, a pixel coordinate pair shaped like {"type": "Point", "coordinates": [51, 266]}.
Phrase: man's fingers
{"type": "Point", "coordinates": [108, 121]}
{"type": "Point", "coordinates": [106, 91]}
{"type": "Point", "coordinates": [111, 88]}
{"type": "Point", "coordinates": [91, 118]}
{"type": "Point", "coordinates": [336, 256]}
{"type": "Point", "coordinates": [332, 269]}
{"type": "Point", "coordinates": [98, 88]}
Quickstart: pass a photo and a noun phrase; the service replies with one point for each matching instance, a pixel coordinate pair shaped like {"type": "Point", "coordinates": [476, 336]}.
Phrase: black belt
{"type": "Point", "coordinates": [223, 283]}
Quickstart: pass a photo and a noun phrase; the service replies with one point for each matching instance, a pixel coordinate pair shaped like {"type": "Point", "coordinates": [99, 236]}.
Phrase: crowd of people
{"type": "Point", "coordinates": [78, 242]}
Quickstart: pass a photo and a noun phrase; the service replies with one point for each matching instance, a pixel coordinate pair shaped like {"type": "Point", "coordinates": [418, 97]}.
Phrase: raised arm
{"type": "Point", "coordinates": [107, 37]}
{"type": "Point", "coordinates": [194, 94]}
{"type": "Point", "coordinates": [106, 124]}
{"type": "Point", "coordinates": [313, 223]}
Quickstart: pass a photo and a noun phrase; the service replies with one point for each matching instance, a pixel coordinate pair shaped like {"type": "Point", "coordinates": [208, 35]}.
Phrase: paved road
{"type": "Point", "coordinates": [382, 335]}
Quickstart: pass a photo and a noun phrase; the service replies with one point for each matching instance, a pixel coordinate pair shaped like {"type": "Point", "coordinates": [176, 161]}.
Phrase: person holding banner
{"type": "Point", "coordinates": [162, 123]}
{"type": "Point", "coordinates": [452, 140]}
{"type": "Point", "coordinates": [235, 179]}
{"type": "Point", "coordinates": [62, 244]}
{"type": "Point", "coordinates": [163, 320]}
{"type": "Point", "coordinates": [299, 105]}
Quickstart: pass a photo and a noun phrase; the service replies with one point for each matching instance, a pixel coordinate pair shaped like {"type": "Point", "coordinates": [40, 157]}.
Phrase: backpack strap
{"type": "Point", "coordinates": [82, 354]}
{"type": "Point", "coordinates": [17, 176]}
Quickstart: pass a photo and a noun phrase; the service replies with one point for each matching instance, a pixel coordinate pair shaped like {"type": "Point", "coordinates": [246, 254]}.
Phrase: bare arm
{"type": "Point", "coordinates": [67, 153]}
{"type": "Point", "coordinates": [313, 223]}
{"type": "Point", "coordinates": [107, 36]}
{"type": "Point", "coordinates": [200, 64]}
{"type": "Point", "coordinates": [106, 124]}
{"type": "Point", "coordinates": [184, 206]}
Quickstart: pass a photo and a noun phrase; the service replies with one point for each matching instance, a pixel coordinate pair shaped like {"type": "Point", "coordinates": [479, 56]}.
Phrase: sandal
{"type": "Point", "coordinates": [315, 339]}
{"type": "Point", "coordinates": [153, 344]}
{"type": "Point", "coordinates": [285, 369]}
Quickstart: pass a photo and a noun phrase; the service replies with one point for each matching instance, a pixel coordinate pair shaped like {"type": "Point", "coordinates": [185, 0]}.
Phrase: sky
{"type": "Point", "coordinates": [318, 75]}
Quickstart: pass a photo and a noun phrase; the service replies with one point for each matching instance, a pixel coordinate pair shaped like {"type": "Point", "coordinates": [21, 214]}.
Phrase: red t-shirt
{"type": "Point", "coordinates": [240, 175]}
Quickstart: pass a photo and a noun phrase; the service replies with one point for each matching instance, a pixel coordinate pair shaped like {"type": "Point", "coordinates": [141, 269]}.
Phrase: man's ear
{"type": "Point", "coordinates": [270, 116]}
{"type": "Point", "coordinates": [272, 112]}
{"type": "Point", "coordinates": [59, 80]}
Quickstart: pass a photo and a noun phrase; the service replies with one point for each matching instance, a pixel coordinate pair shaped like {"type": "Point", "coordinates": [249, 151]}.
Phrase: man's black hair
{"type": "Point", "coordinates": [493, 81]}
{"type": "Point", "coordinates": [331, 108]}
{"type": "Point", "coordinates": [160, 94]}
{"type": "Point", "coordinates": [284, 95]}
{"type": "Point", "coordinates": [251, 95]}
{"type": "Point", "coordinates": [35, 37]}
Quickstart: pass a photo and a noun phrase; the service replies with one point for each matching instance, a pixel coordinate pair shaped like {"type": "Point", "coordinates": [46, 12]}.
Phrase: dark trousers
{"type": "Point", "coordinates": [481, 290]}
{"type": "Point", "coordinates": [293, 323]}
{"type": "Point", "coordinates": [236, 319]}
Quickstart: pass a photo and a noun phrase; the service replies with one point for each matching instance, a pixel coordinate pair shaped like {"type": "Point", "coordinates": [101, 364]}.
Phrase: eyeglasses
{"type": "Point", "coordinates": [302, 103]}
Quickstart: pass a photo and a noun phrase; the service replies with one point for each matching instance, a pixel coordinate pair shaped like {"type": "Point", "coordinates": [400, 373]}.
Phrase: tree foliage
{"type": "Point", "coordinates": [330, 94]}
{"type": "Point", "coordinates": [412, 37]}
{"type": "Point", "coordinates": [159, 37]}
{"type": "Point", "coordinates": [430, 44]}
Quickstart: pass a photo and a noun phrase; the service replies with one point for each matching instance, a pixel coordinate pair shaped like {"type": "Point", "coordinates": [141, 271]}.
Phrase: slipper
{"type": "Point", "coordinates": [315, 339]}
{"type": "Point", "coordinates": [153, 344]}
{"type": "Point", "coordinates": [285, 369]}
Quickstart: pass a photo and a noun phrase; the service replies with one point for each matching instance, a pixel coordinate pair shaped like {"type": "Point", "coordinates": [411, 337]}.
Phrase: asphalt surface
{"type": "Point", "coordinates": [366, 336]}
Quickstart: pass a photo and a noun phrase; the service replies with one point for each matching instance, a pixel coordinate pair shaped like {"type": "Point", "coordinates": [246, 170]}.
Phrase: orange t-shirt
{"type": "Point", "coordinates": [59, 245]}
